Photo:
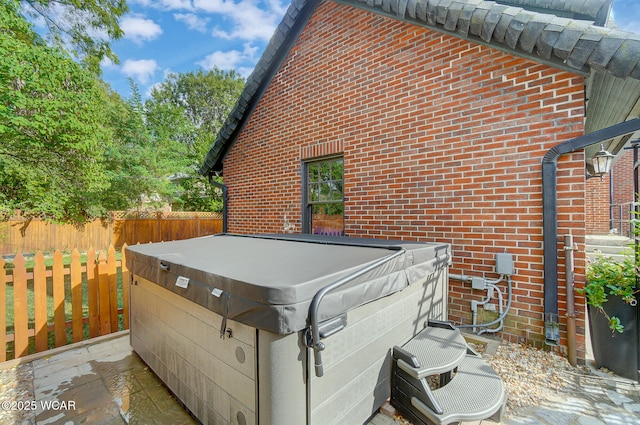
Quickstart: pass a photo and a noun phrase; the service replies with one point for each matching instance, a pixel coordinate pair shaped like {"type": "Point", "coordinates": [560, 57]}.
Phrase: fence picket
{"type": "Point", "coordinates": [3, 317]}
{"type": "Point", "coordinates": [20, 307]}
{"type": "Point", "coordinates": [92, 296]}
{"type": "Point", "coordinates": [40, 302]}
{"type": "Point", "coordinates": [112, 271]}
{"type": "Point", "coordinates": [126, 281]}
{"type": "Point", "coordinates": [58, 300]}
{"type": "Point", "coordinates": [76, 296]}
{"type": "Point", "coordinates": [36, 288]}
{"type": "Point", "coordinates": [104, 311]}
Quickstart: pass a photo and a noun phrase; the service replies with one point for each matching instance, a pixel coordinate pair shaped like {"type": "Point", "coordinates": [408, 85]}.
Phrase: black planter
{"type": "Point", "coordinates": [616, 351]}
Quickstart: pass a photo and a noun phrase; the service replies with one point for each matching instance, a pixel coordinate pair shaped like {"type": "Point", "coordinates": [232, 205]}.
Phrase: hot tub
{"type": "Point", "coordinates": [281, 329]}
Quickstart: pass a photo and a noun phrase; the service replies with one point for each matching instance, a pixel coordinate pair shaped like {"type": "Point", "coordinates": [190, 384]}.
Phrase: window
{"type": "Point", "coordinates": [323, 197]}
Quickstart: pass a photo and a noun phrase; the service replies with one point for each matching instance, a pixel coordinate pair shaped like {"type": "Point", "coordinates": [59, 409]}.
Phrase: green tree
{"type": "Point", "coordinates": [130, 158]}
{"type": "Point", "coordinates": [51, 124]}
{"type": "Point", "coordinates": [82, 28]}
{"type": "Point", "coordinates": [189, 110]}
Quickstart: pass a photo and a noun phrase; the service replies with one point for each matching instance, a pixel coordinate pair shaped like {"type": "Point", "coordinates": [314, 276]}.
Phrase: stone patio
{"type": "Point", "coordinates": [101, 381]}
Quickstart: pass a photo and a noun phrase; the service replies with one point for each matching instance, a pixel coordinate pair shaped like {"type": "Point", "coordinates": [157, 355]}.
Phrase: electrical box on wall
{"type": "Point", "coordinates": [504, 264]}
{"type": "Point", "coordinates": [478, 283]}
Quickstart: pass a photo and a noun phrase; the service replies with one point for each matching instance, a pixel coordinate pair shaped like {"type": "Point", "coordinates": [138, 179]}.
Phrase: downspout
{"type": "Point", "coordinates": [550, 216]}
{"type": "Point", "coordinates": [225, 197]}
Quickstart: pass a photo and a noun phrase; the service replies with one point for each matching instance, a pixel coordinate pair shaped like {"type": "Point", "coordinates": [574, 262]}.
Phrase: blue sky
{"type": "Point", "coordinates": [163, 36]}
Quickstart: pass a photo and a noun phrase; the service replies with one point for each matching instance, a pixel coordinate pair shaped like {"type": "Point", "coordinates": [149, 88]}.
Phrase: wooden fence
{"type": "Point", "coordinates": [67, 301]}
{"type": "Point", "coordinates": [122, 227]}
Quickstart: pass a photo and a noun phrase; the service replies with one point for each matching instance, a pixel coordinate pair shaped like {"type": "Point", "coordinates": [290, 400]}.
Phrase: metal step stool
{"type": "Point", "coordinates": [438, 379]}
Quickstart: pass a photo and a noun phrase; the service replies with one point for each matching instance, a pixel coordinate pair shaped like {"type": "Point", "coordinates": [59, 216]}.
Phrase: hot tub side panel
{"type": "Point", "coordinates": [357, 360]}
{"type": "Point", "coordinates": [215, 378]}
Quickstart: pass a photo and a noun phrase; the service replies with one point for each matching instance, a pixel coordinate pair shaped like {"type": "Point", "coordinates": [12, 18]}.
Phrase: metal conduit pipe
{"type": "Point", "coordinates": [550, 215]}
{"type": "Point", "coordinates": [475, 304]}
{"type": "Point", "coordinates": [501, 317]}
{"type": "Point", "coordinates": [490, 284]}
{"type": "Point", "coordinates": [571, 308]}
{"type": "Point", "coordinates": [500, 311]}
{"type": "Point", "coordinates": [460, 277]}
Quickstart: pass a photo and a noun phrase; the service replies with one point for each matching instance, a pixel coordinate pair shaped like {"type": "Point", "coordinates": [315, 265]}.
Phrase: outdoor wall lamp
{"type": "Point", "coordinates": [602, 162]}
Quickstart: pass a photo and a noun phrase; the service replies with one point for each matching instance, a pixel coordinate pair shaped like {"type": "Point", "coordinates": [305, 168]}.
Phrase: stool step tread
{"type": "Point", "coordinates": [474, 393]}
{"type": "Point", "coordinates": [437, 350]}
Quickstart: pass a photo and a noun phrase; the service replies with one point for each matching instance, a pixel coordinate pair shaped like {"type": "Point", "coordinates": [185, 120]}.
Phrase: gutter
{"type": "Point", "coordinates": [550, 216]}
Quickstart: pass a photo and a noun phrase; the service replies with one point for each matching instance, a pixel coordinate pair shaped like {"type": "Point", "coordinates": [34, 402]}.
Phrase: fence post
{"type": "Point", "coordinates": [3, 317]}
{"type": "Point", "coordinates": [92, 296]}
{"type": "Point", "coordinates": [20, 308]}
{"type": "Point", "coordinates": [76, 296]}
{"type": "Point", "coordinates": [103, 295]}
{"type": "Point", "coordinates": [40, 303]}
{"type": "Point", "coordinates": [59, 319]}
{"type": "Point", "coordinates": [159, 227]}
{"type": "Point", "coordinates": [125, 286]}
{"type": "Point", "coordinates": [113, 287]}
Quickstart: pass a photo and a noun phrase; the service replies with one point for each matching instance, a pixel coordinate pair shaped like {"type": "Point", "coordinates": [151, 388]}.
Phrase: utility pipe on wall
{"type": "Point", "coordinates": [571, 308]}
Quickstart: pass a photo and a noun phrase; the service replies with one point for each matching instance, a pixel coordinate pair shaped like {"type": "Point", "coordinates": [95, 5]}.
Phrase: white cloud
{"type": "Point", "coordinates": [223, 60]}
{"type": "Point", "coordinates": [107, 63]}
{"type": "Point", "coordinates": [245, 71]}
{"type": "Point", "coordinates": [193, 22]}
{"type": "Point", "coordinates": [139, 29]}
{"type": "Point", "coordinates": [229, 59]}
{"type": "Point", "coordinates": [247, 20]}
{"type": "Point", "coordinates": [151, 88]}
{"type": "Point", "coordinates": [141, 70]}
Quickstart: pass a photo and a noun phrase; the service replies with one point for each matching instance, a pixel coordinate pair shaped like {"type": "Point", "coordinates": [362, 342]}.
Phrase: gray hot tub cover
{"type": "Point", "coordinates": [268, 281]}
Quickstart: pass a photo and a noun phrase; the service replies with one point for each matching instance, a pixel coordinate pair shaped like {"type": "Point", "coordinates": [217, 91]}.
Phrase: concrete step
{"type": "Point", "coordinates": [609, 240]}
{"type": "Point", "coordinates": [612, 246]}
{"type": "Point", "coordinates": [607, 249]}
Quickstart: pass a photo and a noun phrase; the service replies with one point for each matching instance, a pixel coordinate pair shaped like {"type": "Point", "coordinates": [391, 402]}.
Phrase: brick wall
{"type": "Point", "coordinates": [442, 141]}
{"type": "Point", "coordinates": [597, 210]}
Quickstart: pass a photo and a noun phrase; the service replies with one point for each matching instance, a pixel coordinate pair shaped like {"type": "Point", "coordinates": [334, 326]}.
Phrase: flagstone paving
{"type": "Point", "coordinates": [103, 381]}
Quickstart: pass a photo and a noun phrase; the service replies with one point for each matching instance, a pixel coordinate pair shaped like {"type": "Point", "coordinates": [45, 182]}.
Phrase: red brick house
{"type": "Point", "coordinates": [432, 120]}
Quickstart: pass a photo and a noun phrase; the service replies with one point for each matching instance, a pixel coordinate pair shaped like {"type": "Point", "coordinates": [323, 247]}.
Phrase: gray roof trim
{"type": "Point", "coordinates": [593, 10]}
{"type": "Point", "coordinates": [570, 44]}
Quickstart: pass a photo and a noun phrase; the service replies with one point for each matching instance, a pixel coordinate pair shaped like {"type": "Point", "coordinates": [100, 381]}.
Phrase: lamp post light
{"type": "Point", "coordinates": [602, 162]}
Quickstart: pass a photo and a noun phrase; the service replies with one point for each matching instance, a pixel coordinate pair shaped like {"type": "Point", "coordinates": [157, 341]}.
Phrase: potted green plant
{"type": "Point", "coordinates": [606, 278]}
{"type": "Point", "coordinates": [610, 294]}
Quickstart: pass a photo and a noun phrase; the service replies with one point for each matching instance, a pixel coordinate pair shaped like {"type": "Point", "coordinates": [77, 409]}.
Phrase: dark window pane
{"type": "Point", "coordinates": [313, 172]}
{"type": "Point", "coordinates": [336, 170]}
{"type": "Point", "coordinates": [325, 197]}
{"type": "Point", "coordinates": [325, 171]}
